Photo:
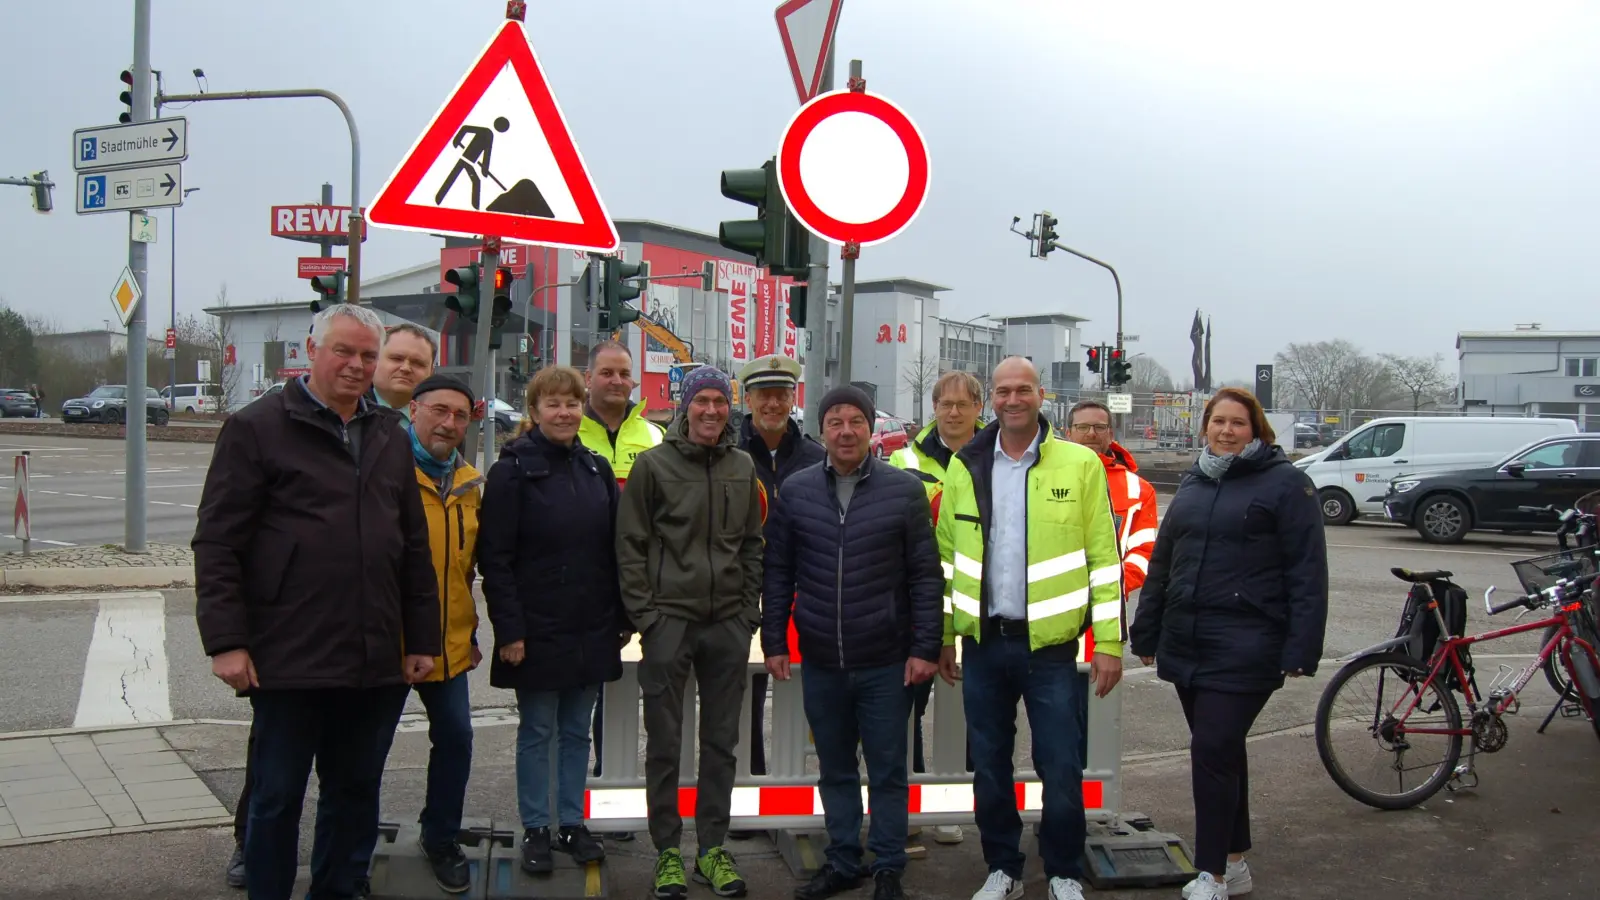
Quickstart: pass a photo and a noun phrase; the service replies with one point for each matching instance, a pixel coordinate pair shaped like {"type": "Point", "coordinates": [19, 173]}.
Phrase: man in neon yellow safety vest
{"type": "Point", "coordinates": [1029, 545]}
{"type": "Point", "coordinates": [614, 426]}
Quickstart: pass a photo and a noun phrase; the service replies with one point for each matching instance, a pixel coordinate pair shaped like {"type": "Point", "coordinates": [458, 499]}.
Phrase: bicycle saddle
{"type": "Point", "coordinates": [1420, 577]}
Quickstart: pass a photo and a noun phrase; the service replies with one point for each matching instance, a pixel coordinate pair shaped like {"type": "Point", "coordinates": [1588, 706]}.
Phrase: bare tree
{"type": "Point", "coordinates": [1331, 375]}
{"type": "Point", "coordinates": [918, 377]}
{"type": "Point", "coordinates": [1148, 375]}
{"type": "Point", "coordinates": [208, 339]}
{"type": "Point", "coordinates": [1421, 376]}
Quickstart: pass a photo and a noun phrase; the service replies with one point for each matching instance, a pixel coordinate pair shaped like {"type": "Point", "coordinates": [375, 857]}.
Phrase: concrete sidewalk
{"type": "Point", "coordinates": [77, 568]}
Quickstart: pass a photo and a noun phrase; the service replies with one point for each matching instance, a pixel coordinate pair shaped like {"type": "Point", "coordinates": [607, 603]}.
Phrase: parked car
{"type": "Point", "coordinates": [193, 398]}
{"type": "Point", "coordinates": [888, 435]}
{"type": "Point", "coordinates": [107, 404]}
{"type": "Point", "coordinates": [1353, 475]}
{"type": "Point", "coordinates": [506, 418]}
{"type": "Point", "coordinates": [15, 402]}
{"type": "Point", "coordinates": [1444, 506]}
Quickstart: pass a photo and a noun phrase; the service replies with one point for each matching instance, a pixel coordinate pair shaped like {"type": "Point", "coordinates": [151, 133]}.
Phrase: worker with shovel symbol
{"type": "Point", "coordinates": [477, 151]}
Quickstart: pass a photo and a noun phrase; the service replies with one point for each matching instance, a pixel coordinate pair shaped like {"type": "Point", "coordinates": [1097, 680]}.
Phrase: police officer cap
{"type": "Point", "coordinates": [775, 370]}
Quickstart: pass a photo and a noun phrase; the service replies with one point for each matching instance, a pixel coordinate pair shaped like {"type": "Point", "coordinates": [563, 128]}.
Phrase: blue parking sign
{"type": "Point", "coordinates": [88, 150]}
{"type": "Point", "coordinates": [94, 192]}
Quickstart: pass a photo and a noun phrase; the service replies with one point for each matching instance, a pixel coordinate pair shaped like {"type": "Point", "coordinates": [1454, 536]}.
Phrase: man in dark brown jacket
{"type": "Point", "coordinates": [316, 598]}
{"type": "Point", "coordinates": [689, 559]}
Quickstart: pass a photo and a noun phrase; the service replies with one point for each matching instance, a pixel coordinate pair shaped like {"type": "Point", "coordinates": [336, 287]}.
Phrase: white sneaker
{"type": "Point", "coordinates": [1236, 880]}
{"type": "Point", "coordinates": [1000, 886]}
{"type": "Point", "coordinates": [948, 834]}
{"type": "Point", "coordinates": [1065, 889]}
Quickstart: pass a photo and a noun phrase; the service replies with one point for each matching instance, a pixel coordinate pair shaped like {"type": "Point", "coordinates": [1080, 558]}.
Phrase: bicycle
{"type": "Point", "coordinates": [1428, 686]}
{"type": "Point", "coordinates": [1581, 524]}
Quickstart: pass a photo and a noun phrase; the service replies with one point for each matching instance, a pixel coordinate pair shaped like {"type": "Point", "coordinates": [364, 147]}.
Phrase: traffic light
{"type": "Point", "coordinates": [1118, 373]}
{"type": "Point", "coordinates": [1094, 359]}
{"type": "Point", "coordinates": [330, 287]}
{"type": "Point", "coordinates": [766, 237]}
{"type": "Point", "coordinates": [797, 305]}
{"type": "Point", "coordinates": [41, 191]}
{"type": "Point", "coordinates": [500, 309]}
{"type": "Point", "coordinates": [708, 276]}
{"type": "Point", "coordinates": [616, 289]}
{"type": "Point", "coordinates": [127, 98]}
{"type": "Point", "coordinates": [514, 371]}
{"type": "Point", "coordinates": [1047, 233]}
{"type": "Point", "coordinates": [464, 302]}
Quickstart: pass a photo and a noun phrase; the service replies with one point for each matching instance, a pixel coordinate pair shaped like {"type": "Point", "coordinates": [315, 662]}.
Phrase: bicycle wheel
{"type": "Point", "coordinates": [1584, 676]}
{"type": "Point", "coordinates": [1371, 724]}
{"type": "Point", "coordinates": [1554, 671]}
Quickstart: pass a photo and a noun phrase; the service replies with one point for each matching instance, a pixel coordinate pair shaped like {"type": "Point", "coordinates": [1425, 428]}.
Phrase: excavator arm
{"type": "Point", "coordinates": [681, 350]}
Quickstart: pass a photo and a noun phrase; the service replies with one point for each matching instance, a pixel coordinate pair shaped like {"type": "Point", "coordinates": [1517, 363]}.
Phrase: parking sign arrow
{"type": "Point", "coordinates": [169, 184]}
{"type": "Point", "coordinates": [171, 140]}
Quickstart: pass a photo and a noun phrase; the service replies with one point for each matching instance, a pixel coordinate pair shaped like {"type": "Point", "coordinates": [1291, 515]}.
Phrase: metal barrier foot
{"type": "Point", "coordinates": [802, 850]}
{"type": "Point", "coordinates": [1131, 853]}
{"type": "Point", "coordinates": [400, 870]}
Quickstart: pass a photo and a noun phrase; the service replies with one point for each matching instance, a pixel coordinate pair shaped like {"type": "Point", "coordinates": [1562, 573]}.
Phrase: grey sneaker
{"type": "Point", "coordinates": [1236, 881]}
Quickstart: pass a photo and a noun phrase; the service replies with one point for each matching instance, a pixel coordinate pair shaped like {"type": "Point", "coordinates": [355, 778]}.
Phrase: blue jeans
{"type": "Point", "coordinates": [996, 674]}
{"type": "Point", "coordinates": [563, 715]}
{"type": "Point", "coordinates": [449, 765]}
{"type": "Point", "coordinates": [347, 732]}
{"type": "Point", "coordinates": [844, 706]}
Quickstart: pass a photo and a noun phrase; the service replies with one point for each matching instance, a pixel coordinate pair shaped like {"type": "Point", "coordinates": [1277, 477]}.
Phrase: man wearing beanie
{"type": "Point", "coordinates": [689, 559]}
{"type": "Point", "coordinates": [870, 632]}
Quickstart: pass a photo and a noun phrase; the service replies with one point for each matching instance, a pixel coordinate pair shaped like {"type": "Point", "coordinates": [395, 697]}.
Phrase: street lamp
{"type": "Point", "coordinates": [972, 333]}
{"type": "Point", "coordinates": [172, 285]}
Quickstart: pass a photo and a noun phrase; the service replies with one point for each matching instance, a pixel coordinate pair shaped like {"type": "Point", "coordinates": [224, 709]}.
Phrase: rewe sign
{"type": "Point", "coordinates": [312, 222]}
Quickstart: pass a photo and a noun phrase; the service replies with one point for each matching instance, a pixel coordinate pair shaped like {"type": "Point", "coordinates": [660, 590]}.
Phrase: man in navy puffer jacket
{"type": "Point", "coordinates": [852, 557]}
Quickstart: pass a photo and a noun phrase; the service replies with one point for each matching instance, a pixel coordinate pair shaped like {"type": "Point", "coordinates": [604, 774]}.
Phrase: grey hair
{"type": "Point", "coordinates": [362, 314]}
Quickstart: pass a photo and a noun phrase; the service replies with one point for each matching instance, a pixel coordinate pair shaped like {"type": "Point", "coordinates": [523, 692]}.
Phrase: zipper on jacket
{"type": "Point", "coordinates": [444, 593]}
{"type": "Point", "coordinates": [711, 530]}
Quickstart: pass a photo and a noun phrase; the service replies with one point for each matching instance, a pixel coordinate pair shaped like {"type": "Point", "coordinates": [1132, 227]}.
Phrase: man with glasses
{"type": "Point", "coordinates": [957, 400]}
{"type": "Point", "coordinates": [1133, 500]}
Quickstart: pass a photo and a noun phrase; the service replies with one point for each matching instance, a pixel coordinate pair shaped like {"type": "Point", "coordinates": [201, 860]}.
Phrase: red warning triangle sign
{"type": "Point", "coordinates": [498, 160]}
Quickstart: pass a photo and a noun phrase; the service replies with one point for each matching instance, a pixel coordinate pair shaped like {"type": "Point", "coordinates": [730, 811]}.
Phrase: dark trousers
{"type": "Point", "coordinates": [845, 707]}
{"type": "Point", "coordinates": [347, 733]}
{"type": "Point", "coordinates": [718, 653]}
{"type": "Point", "coordinates": [449, 766]}
{"type": "Point", "coordinates": [241, 812]}
{"type": "Point", "coordinates": [997, 674]}
{"type": "Point", "coordinates": [1218, 724]}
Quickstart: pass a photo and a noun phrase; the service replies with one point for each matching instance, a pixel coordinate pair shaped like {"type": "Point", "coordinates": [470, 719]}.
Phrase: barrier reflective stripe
{"type": "Point", "coordinates": [601, 805]}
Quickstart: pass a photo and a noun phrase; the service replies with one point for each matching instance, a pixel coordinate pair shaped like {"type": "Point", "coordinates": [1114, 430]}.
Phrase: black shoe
{"type": "Point", "coordinates": [536, 858]}
{"type": "Point", "coordinates": [363, 890]}
{"type": "Point", "coordinates": [827, 882]}
{"type": "Point", "coordinates": [576, 840]}
{"type": "Point", "coordinates": [449, 866]}
{"type": "Point", "coordinates": [887, 886]}
{"type": "Point", "coordinates": [236, 868]}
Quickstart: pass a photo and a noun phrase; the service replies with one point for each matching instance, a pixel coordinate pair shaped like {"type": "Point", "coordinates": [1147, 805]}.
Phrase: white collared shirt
{"type": "Point", "coordinates": [1006, 560]}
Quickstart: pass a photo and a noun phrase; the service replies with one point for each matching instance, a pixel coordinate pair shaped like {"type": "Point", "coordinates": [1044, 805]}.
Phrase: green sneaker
{"type": "Point", "coordinates": [670, 884]}
{"type": "Point", "coordinates": [714, 867]}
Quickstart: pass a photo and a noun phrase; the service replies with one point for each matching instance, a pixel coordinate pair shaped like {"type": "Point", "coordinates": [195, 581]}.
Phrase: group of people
{"type": "Point", "coordinates": [340, 532]}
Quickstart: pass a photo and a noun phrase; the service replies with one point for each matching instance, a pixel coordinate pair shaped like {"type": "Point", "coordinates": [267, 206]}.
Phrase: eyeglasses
{"type": "Point", "coordinates": [445, 412]}
{"type": "Point", "coordinates": [1090, 427]}
{"type": "Point", "coordinates": [946, 406]}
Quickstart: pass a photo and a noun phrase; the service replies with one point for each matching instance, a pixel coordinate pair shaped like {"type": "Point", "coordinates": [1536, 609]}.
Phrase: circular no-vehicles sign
{"type": "Point", "coordinates": [853, 168]}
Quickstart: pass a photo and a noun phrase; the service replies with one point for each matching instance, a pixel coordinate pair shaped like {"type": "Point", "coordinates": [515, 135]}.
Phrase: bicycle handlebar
{"type": "Point", "coordinates": [1550, 596]}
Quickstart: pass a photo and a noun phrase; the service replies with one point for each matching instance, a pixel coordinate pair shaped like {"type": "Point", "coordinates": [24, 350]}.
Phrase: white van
{"type": "Point", "coordinates": [1354, 474]}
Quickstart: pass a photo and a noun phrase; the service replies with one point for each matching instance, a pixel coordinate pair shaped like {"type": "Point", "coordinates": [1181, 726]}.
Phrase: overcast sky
{"type": "Point", "coordinates": [1388, 172]}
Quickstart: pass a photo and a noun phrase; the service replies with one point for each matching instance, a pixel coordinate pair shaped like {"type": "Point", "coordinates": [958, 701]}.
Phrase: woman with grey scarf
{"type": "Point", "coordinates": [1236, 600]}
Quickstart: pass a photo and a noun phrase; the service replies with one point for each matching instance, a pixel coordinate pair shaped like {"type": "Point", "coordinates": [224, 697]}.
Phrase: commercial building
{"type": "Point", "coordinates": [96, 346]}
{"type": "Point", "coordinates": [1531, 372]}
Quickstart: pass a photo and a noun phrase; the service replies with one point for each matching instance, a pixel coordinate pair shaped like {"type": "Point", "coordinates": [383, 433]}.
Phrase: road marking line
{"type": "Point", "coordinates": [39, 541]}
{"type": "Point", "coordinates": [125, 675]}
{"type": "Point", "coordinates": [105, 498]}
{"type": "Point", "coordinates": [154, 487]}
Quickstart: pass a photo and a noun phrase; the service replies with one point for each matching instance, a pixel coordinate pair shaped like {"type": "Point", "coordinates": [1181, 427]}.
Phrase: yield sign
{"type": "Point", "coordinates": [498, 160]}
{"type": "Point", "coordinates": [807, 27]}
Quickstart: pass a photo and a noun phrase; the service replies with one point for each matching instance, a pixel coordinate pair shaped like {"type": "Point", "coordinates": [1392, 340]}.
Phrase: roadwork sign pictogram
{"type": "Point", "coordinates": [498, 160]}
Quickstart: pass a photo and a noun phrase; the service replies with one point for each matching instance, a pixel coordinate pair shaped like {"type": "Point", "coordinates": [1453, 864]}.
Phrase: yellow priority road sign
{"type": "Point", "coordinates": [125, 296]}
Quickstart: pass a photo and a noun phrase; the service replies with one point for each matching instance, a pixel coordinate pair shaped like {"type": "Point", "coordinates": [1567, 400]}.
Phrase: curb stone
{"type": "Point", "coordinates": [96, 577]}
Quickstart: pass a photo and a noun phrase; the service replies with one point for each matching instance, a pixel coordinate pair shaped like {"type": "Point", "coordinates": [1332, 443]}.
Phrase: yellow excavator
{"type": "Point", "coordinates": [682, 351]}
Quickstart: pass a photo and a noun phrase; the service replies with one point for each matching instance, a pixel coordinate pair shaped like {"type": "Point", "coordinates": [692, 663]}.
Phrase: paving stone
{"type": "Point", "coordinates": [100, 557]}
{"type": "Point", "coordinates": [185, 815]}
{"type": "Point", "coordinates": [25, 807]}
{"type": "Point", "coordinates": [119, 752]}
{"type": "Point", "coordinates": [5, 817]}
{"type": "Point", "coordinates": [28, 772]}
{"type": "Point", "coordinates": [88, 768]}
{"type": "Point", "coordinates": [49, 816]}
{"type": "Point", "coordinates": [14, 790]}
{"type": "Point", "coordinates": [98, 823]}
{"type": "Point", "coordinates": [168, 790]}
{"type": "Point", "coordinates": [16, 745]}
{"type": "Point", "coordinates": [119, 803]}
{"type": "Point", "coordinates": [105, 787]}
{"type": "Point", "coordinates": [126, 735]}
{"type": "Point", "coordinates": [9, 833]}
{"type": "Point", "coordinates": [128, 819]}
{"type": "Point", "coordinates": [72, 740]}
{"type": "Point", "coordinates": [150, 774]}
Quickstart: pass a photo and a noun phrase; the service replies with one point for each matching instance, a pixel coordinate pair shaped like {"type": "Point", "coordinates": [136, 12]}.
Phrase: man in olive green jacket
{"type": "Point", "coordinates": [689, 558]}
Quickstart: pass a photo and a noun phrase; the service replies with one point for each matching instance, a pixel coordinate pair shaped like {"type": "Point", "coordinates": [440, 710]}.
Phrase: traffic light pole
{"type": "Point", "coordinates": [483, 360]}
{"type": "Point", "coordinates": [135, 414]}
{"type": "Point", "coordinates": [814, 368]}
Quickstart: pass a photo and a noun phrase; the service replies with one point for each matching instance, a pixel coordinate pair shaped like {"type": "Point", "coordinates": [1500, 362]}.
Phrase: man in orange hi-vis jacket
{"type": "Point", "coordinates": [1133, 500]}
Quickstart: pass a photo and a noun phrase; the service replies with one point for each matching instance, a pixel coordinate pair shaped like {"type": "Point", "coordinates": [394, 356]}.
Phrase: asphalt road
{"type": "Point", "coordinates": [76, 490]}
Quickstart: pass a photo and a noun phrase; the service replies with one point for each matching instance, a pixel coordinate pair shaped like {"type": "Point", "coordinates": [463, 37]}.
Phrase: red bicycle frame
{"type": "Point", "coordinates": [1448, 651]}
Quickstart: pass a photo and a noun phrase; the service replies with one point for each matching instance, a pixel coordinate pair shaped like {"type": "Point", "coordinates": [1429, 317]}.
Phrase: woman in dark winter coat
{"type": "Point", "coordinates": [546, 550]}
{"type": "Point", "coordinates": [1236, 599]}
